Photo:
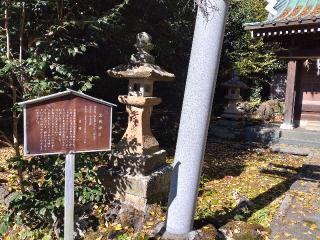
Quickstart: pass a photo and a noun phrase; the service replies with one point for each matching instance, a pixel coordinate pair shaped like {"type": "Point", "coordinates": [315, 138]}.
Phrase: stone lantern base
{"type": "Point", "coordinates": [138, 180]}
{"type": "Point", "coordinates": [228, 129]}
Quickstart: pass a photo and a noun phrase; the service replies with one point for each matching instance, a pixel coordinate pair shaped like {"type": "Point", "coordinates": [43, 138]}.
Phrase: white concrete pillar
{"type": "Point", "coordinates": [196, 112]}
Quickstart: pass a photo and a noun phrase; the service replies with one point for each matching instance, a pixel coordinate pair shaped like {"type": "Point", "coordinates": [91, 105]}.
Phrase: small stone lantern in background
{"type": "Point", "coordinates": [231, 125]}
{"type": "Point", "coordinates": [143, 174]}
{"type": "Point", "coordinates": [234, 86]}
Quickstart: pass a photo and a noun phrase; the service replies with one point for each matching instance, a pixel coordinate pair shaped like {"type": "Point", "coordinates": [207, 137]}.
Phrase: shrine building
{"type": "Point", "coordinates": [295, 25]}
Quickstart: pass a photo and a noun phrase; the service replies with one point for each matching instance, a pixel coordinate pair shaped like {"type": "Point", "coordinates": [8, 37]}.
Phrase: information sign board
{"type": "Point", "coordinates": [67, 122]}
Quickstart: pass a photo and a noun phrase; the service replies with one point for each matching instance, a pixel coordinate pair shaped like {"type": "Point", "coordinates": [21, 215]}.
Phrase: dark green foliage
{"type": "Point", "coordinates": [55, 47]}
{"type": "Point", "coordinates": [252, 58]}
{"type": "Point", "coordinates": [42, 204]}
{"type": "Point", "coordinates": [4, 224]}
{"type": "Point", "coordinates": [74, 49]}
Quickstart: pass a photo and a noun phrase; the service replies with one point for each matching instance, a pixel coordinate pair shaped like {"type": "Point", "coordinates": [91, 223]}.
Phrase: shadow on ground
{"type": "Point", "coordinates": [225, 159]}
{"type": "Point", "coordinates": [231, 163]}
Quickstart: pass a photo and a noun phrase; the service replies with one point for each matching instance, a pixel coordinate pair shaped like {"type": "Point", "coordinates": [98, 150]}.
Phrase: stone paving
{"type": "Point", "coordinates": [291, 149]}
{"type": "Point", "coordinates": [299, 215]}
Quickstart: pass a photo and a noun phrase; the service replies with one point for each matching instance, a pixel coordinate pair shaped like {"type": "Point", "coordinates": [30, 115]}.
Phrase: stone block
{"type": "Point", "coordinates": [262, 134]}
{"type": "Point", "coordinates": [228, 129]}
{"type": "Point", "coordinates": [230, 123]}
{"type": "Point", "coordinates": [227, 133]}
{"type": "Point", "coordinates": [137, 190]}
{"type": "Point", "coordinates": [232, 116]}
{"type": "Point", "coordinates": [139, 164]}
{"type": "Point", "coordinates": [239, 131]}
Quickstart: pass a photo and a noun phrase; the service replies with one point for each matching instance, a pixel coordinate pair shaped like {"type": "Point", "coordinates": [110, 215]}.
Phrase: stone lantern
{"type": "Point", "coordinates": [234, 86]}
{"type": "Point", "coordinates": [231, 125]}
{"type": "Point", "coordinates": [138, 156]}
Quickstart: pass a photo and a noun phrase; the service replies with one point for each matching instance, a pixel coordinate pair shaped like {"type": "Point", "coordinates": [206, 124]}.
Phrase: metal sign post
{"type": "Point", "coordinates": [68, 122]}
{"type": "Point", "coordinates": [69, 197]}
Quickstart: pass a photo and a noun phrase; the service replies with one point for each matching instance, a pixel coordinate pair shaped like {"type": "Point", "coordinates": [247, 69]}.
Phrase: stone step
{"type": "Point", "coordinates": [314, 123]}
{"type": "Point", "coordinates": [291, 149]}
{"type": "Point", "coordinates": [312, 128]}
{"type": "Point", "coordinates": [298, 215]}
{"type": "Point", "coordinates": [300, 142]}
{"type": "Point", "coordinates": [300, 134]}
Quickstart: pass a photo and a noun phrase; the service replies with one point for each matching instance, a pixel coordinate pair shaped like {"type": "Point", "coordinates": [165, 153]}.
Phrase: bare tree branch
{"type": "Point", "coordinates": [6, 143]}
{"type": "Point", "coordinates": [8, 95]}
{"type": "Point", "coordinates": [5, 140]}
{"type": "Point", "coordinates": [19, 115]}
{"type": "Point", "coordinates": [206, 6]}
{"type": "Point", "coordinates": [5, 83]}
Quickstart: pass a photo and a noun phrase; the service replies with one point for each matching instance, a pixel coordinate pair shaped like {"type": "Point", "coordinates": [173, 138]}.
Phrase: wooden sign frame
{"type": "Point", "coordinates": [53, 97]}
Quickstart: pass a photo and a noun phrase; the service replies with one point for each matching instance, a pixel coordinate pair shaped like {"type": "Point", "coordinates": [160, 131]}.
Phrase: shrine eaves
{"type": "Point", "coordinates": [292, 17]}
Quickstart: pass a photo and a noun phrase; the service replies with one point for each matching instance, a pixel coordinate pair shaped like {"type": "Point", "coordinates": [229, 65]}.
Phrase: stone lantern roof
{"type": "Point", "coordinates": [235, 82]}
{"type": "Point", "coordinates": [145, 71]}
{"type": "Point", "coordinates": [142, 64]}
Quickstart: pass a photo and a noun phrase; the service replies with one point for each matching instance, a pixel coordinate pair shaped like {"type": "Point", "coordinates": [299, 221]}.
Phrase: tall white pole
{"type": "Point", "coordinates": [196, 111]}
{"type": "Point", "coordinates": [69, 197]}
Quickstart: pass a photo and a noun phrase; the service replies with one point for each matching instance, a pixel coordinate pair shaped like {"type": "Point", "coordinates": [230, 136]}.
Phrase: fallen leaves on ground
{"type": "Point", "coordinates": [255, 173]}
{"type": "Point", "coordinates": [7, 175]}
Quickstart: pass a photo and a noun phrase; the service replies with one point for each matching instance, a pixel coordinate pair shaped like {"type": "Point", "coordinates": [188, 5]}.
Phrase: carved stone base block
{"type": "Point", "coordinates": [228, 129]}
{"type": "Point", "coordinates": [139, 164]}
{"type": "Point", "coordinates": [135, 182]}
{"type": "Point", "coordinates": [152, 188]}
{"type": "Point", "coordinates": [232, 116]}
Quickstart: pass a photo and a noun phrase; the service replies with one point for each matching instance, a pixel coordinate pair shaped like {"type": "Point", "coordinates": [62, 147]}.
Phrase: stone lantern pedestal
{"type": "Point", "coordinates": [138, 138]}
{"type": "Point", "coordinates": [139, 173]}
{"type": "Point", "coordinates": [231, 124]}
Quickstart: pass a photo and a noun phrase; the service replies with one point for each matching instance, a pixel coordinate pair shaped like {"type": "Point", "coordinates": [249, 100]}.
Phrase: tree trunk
{"type": "Point", "coordinates": [60, 10]}
{"type": "Point", "coordinates": [22, 21]}
{"type": "Point", "coordinates": [6, 25]}
{"type": "Point", "coordinates": [15, 119]}
{"type": "Point", "coordinates": [23, 14]}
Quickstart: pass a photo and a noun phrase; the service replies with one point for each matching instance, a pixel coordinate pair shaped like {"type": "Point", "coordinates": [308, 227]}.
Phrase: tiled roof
{"type": "Point", "coordinates": [291, 12]}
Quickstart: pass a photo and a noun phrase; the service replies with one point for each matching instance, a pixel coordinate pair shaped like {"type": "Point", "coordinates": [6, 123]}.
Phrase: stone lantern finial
{"type": "Point", "coordinates": [142, 64]}
{"type": "Point", "coordinates": [144, 46]}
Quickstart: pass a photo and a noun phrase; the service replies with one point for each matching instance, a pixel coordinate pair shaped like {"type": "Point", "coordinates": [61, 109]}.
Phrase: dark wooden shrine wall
{"type": "Point", "coordinates": [308, 99]}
